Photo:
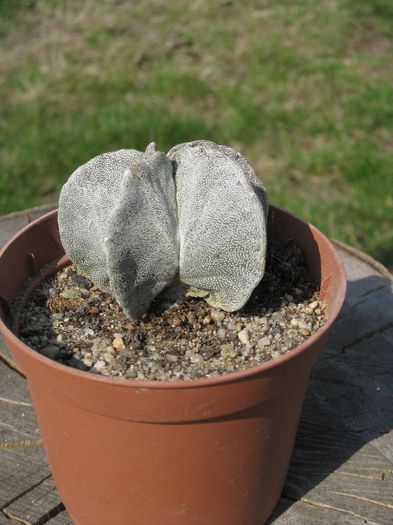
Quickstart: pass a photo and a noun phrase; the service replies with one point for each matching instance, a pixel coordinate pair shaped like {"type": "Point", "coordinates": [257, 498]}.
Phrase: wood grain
{"type": "Point", "coordinates": [342, 465]}
{"type": "Point", "coordinates": [36, 506]}
{"type": "Point", "coordinates": [60, 519]}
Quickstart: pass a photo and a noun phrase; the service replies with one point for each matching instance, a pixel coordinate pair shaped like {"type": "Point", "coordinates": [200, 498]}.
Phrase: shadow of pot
{"type": "Point", "coordinates": [202, 452]}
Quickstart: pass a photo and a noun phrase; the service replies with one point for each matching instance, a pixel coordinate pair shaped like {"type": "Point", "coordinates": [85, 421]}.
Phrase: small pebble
{"type": "Point", "coordinates": [217, 315]}
{"type": "Point", "coordinates": [84, 293]}
{"type": "Point", "coordinates": [228, 350]}
{"type": "Point", "coordinates": [131, 373]}
{"type": "Point", "coordinates": [244, 338]}
{"type": "Point", "coordinates": [72, 293]}
{"type": "Point", "coordinates": [221, 333]}
{"type": "Point", "coordinates": [263, 342]}
{"type": "Point", "coordinates": [118, 343]}
{"type": "Point", "coordinates": [99, 365]}
{"type": "Point", "coordinates": [176, 341]}
{"type": "Point", "coordinates": [107, 357]}
{"type": "Point", "coordinates": [171, 358]}
{"type": "Point", "coordinates": [196, 358]}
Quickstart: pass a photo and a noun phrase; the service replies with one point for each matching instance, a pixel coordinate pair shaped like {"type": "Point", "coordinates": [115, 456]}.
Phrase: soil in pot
{"type": "Point", "coordinates": [71, 321]}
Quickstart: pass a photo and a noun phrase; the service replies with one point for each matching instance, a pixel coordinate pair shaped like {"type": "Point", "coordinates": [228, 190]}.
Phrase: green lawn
{"type": "Point", "coordinates": [303, 88]}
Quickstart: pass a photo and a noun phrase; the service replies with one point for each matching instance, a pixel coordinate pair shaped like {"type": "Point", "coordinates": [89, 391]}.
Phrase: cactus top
{"type": "Point", "coordinates": [134, 222]}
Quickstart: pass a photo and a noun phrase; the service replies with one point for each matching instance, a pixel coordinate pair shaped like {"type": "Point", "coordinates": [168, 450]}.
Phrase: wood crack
{"type": "Point", "coordinates": [15, 402]}
{"type": "Point", "coordinates": [15, 498]}
{"type": "Point", "coordinates": [5, 516]}
{"type": "Point", "coordinates": [51, 514]}
{"type": "Point", "coordinates": [361, 476]}
{"type": "Point", "coordinates": [15, 518]}
{"type": "Point", "coordinates": [14, 429]}
{"type": "Point", "coordinates": [363, 498]}
{"type": "Point", "coordinates": [23, 443]}
{"type": "Point", "coordinates": [337, 509]}
{"type": "Point", "coordinates": [362, 299]}
{"type": "Point", "coordinates": [367, 336]}
{"type": "Point", "coordinates": [41, 521]}
{"type": "Point", "coordinates": [11, 364]}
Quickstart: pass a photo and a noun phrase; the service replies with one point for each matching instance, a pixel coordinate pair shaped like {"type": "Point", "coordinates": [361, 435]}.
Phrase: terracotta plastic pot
{"type": "Point", "coordinates": [202, 452]}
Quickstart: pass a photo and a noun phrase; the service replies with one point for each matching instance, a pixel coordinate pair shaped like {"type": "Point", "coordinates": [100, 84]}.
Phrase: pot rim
{"type": "Point", "coordinates": [183, 384]}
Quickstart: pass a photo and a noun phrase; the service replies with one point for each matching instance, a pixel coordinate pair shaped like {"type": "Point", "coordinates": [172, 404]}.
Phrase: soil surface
{"type": "Point", "coordinates": [70, 320]}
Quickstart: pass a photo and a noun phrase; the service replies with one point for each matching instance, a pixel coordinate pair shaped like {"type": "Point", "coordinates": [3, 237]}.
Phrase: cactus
{"type": "Point", "coordinates": [221, 223]}
{"type": "Point", "coordinates": [86, 203]}
{"type": "Point", "coordinates": [136, 222]}
{"type": "Point", "coordinates": [141, 244]}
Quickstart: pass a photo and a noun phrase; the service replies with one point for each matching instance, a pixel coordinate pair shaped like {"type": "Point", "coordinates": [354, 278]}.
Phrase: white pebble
{"type": "Point", "coordinates": [118, 343]}
{"type": "Point", "coordinates": [100, 365]}
{"type": "Point", "coordinates": [171, 358]}
{"type": "Point", "coordinates": [196, 358]}
{"type": "Point", "coordinates": [221, 334]}
{"type": "Point", "coordinates": [217, 315]}
{"type": "Point", "coordinates": [263, 342]}
{"type": "Point", "coordinates": [244, 338]}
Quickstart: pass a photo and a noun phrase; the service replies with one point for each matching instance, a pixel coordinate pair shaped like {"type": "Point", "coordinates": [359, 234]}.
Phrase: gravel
{"type": "Point", "coordinates": [70, 320]}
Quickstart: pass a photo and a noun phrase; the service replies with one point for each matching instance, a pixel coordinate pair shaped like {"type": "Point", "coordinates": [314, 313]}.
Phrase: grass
{"type": "Point", "coordinates": [302, 88]}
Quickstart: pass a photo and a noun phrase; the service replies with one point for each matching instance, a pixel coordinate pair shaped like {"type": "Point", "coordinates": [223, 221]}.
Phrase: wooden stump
{"type": "Point", "coordinates": [342, 466]}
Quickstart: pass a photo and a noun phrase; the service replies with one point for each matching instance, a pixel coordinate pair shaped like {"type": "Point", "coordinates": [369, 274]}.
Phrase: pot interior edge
{"type": "Point", "coordinates": [30, 286]}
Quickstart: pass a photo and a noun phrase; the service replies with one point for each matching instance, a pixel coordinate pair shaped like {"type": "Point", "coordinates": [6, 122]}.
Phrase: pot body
{"type": "Point", "coordinates": [203, 452]}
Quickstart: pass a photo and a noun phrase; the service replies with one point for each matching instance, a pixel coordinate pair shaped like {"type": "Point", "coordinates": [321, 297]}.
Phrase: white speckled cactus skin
{"type": "Point", "coordinates": [133, 222]}
{"type": "Point", "coordinates": [86, 202]}
{"type": "Point", "coordinates": [222, 226]}
{"type": "Point", "coordinates": [141, 244]}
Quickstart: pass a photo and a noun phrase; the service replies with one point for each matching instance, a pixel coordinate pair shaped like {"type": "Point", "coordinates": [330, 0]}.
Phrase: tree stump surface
{"type": "Point", "coordinates": [341, 470]}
